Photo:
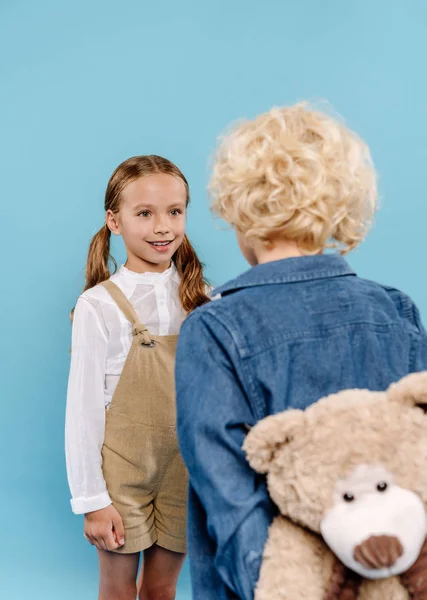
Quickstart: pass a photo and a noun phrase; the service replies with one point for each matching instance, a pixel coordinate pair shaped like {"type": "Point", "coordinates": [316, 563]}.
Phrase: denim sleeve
{"type": "Point", "coordinates": [212, 412]}
{"type": "Point", "coordinates": [418, 358]}
{"type": "Point", "coordinates": [418, 335]}
{"type": "Point", "coordinates": [409, 312]}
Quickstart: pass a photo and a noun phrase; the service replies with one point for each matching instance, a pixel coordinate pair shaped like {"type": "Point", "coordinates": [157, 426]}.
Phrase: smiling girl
{"type": "Point", "coordinates": [124, 468]}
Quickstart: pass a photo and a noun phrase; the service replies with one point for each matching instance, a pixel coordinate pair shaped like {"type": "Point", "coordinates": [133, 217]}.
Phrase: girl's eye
{"type": "Point", "coordinates": [175, 212]}
{"type": "Point", "coordinates": [144, 213]}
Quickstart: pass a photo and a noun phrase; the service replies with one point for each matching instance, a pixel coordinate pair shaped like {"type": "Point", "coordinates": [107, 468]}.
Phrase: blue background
{"type": "Point", "coordinates": [86, 84]}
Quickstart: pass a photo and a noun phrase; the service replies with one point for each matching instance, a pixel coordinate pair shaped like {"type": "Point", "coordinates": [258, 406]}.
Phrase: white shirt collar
{"type": "Point", "coordinates": [149, 277]}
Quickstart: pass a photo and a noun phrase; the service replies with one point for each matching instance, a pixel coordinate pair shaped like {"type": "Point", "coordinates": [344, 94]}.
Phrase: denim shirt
{"type": "Point", "coordinates": [282, 335]}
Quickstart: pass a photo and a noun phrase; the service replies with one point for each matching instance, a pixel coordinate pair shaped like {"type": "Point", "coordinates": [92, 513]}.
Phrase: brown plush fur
{"type": "Point", "coordinates": [305, 453]}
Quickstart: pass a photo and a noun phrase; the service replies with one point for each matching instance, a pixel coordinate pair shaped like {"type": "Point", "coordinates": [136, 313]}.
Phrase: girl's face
{"type": "Point", "coordinates": [151, 220]}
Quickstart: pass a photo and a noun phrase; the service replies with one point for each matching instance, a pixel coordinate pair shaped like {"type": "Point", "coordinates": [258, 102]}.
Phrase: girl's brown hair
{"type": "Point", "coordinates": [193, 285]}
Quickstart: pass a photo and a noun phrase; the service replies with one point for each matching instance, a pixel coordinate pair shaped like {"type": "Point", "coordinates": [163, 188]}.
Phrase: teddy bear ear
{"type": "Point", "coordinates": [270, 434]}
{"type": "Point", "coordinates": [411, 390]}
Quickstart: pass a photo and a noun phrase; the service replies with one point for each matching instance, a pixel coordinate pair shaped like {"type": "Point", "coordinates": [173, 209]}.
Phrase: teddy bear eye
{"type": "Point", "coordinates": [348, 497]}
{"type": "Point", "coordinates": [382, 486]}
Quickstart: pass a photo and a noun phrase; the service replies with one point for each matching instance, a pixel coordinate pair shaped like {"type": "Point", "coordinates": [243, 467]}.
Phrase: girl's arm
{"type": "Point", "coordinates": [213, 411]}
{"type": "Point", "coordinates": [85, 415]}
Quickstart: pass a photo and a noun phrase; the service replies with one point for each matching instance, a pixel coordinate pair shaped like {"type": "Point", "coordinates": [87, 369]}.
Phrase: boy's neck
{"type": "Point", "coordinates": [276, 250]}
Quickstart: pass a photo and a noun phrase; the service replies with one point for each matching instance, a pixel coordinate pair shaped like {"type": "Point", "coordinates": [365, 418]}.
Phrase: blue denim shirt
{"type": "Point", "coordinates": [281, 336]}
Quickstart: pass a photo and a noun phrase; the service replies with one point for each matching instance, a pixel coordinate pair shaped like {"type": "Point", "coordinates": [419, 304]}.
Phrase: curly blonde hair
{"type": "Point", "coordinates": [296, 173]}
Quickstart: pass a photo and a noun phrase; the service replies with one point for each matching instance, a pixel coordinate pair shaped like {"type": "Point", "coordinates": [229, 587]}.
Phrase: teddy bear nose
{"type": "Point", "coordinates": [378, 552]}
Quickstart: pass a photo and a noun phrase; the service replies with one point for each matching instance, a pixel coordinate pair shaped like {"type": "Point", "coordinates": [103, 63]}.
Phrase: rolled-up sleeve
{"type": "Point", "coordinates": [213, 414]}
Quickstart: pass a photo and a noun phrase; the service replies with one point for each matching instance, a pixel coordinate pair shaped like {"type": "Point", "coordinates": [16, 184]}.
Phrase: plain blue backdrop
{"type": "Point", "coordinates": [86, 84]}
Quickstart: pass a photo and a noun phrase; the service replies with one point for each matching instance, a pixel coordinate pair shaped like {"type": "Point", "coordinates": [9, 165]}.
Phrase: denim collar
{"type": "Point", "coordinates": [289, 270]}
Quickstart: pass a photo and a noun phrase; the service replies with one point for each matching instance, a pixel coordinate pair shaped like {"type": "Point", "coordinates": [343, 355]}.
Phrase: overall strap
{"type": "Point", "coordinates": [128, 311]}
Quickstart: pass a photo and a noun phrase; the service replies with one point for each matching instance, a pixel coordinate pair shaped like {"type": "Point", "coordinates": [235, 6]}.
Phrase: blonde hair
{"type": "Point", "coordinates": [192, 288]}
{"type": "Point", "coordinates": [297, 173]}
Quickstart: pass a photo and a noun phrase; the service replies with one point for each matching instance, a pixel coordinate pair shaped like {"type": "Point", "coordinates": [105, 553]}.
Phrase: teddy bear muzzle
{"type": "Point", "coordinates": [375, 527]}
{"type": "Point", "coordinates": [378, 552]}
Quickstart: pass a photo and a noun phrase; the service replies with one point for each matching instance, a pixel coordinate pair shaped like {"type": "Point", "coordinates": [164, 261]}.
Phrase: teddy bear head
{"type": "Point", "coordinates": [353, 468]}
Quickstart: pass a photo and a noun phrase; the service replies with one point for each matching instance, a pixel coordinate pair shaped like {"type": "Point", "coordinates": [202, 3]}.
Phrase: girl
{"type": "Point", "coordinates": [124, 468]}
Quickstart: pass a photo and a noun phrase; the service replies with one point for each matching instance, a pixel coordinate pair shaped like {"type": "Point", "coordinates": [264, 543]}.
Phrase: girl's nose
{"type": "Point", "coordinates": [161, 227]}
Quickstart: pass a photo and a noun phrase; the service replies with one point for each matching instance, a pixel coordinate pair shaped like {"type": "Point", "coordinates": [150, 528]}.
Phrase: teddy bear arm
{"type": "Point", "coordinates": [383, 589]}
{"type": "Point", "coordinates": [297, 565]}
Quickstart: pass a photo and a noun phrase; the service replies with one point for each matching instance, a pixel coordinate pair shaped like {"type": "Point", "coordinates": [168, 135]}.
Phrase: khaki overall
{"type": "Point", "coordinates": [143, 469]}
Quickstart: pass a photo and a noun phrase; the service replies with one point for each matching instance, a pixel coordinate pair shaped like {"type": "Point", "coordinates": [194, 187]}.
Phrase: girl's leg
{"type": "Point", "coordinates": [118, 574]}
{"type": "Point", "coordinates": [140, 577]}
{"type": "Point", "coordinates": [161, 571]}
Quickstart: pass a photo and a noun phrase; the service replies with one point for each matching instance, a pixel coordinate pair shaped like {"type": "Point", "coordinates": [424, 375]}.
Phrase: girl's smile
{"type": "Point", "coordinates": [161, 246]}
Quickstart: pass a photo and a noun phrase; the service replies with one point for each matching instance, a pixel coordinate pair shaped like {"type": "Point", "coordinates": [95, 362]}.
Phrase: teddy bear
{"type": "Point", "coordinates": [349, 477]}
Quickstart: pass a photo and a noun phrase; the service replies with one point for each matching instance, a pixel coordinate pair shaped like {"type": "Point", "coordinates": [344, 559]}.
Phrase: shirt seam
{"type": "Point", "coordinates": [317, 332]}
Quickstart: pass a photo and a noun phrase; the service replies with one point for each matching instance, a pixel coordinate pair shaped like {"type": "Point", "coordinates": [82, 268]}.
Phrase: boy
{"type": "Point", "coordinates": [297, 326]}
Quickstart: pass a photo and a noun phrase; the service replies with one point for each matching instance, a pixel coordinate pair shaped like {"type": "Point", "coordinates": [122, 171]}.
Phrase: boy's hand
{"type": "Point", "coordinates": [104, 528]}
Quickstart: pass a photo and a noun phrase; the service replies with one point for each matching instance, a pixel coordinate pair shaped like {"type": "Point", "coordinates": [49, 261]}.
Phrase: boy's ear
{"type": "Point", "coordinates": [270, 434]}
{"type": "Point", "coordinates": [411, 390]}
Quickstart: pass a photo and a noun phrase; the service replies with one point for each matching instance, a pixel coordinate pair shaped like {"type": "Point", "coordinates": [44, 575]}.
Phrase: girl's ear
{"type": "Point", "coordinates": [270, 434]}
{"type": "Point", "coordinates": [112, 222]}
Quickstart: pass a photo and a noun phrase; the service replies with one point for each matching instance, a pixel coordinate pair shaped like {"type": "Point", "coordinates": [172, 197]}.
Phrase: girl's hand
{"type": "Point", "coordinates": [104, 528]}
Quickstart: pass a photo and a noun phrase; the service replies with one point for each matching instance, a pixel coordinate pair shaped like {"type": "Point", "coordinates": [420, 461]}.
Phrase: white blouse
{"type": "Point", "coordinates": [101, 339]}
